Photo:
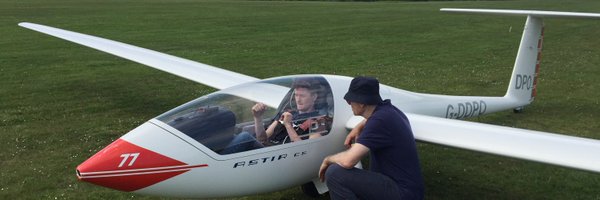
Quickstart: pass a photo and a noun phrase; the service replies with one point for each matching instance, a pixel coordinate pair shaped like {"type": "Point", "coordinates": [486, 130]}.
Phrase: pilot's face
{"type": "Point", "coordinates": [305, 100]}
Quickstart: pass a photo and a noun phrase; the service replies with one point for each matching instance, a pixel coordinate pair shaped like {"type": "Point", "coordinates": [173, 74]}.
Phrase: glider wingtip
{"type": "Point", "coordinates": [24, 24]}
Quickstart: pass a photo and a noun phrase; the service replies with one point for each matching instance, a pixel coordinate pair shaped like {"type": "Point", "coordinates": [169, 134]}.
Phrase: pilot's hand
{"type": "Point", "coordinates": [287, 118]}
{"type": "Point", "coordinates": [258, 109]}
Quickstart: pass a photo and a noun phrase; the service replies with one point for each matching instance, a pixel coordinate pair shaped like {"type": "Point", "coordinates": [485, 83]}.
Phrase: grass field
{"type": "Point", "coordinates": [60, 102]}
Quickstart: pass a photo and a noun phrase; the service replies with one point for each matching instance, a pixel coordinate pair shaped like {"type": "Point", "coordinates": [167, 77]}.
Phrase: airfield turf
{"type": "Point", "coordinates": [61, 102]}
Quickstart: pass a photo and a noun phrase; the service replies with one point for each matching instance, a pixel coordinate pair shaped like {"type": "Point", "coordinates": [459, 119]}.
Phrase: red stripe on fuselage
{"type": "Point", "coordinates": [138, 171]}
{"type": "Point", "coordinates": [128, 167]}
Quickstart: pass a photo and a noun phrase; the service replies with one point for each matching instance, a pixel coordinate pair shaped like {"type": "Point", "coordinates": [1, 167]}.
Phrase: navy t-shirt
{"type": "Point", "coordinates": [390, 140]}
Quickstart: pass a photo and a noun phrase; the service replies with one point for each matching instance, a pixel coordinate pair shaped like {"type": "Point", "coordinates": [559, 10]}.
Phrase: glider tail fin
{"type": "Point", "coordinates": [522, 88]}
{"type": "Point", "coordinates": [523, 81]}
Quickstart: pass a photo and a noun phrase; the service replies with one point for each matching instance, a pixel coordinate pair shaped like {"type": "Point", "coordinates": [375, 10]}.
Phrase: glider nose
{"type": "Point", "coordinates": [125, 166]}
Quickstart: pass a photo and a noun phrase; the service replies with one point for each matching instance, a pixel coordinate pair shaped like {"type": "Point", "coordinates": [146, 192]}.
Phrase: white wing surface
{"type": "Point", "coordinates": [536, 13]}
{"type": "Point", "coordinates": [563, 150]}
{"type": "Point", "coordinates": [198, 72]}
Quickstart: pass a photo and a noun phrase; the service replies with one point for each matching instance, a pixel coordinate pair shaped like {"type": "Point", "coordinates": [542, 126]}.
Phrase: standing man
{"type": "Point", "coordinates": [386, 135]}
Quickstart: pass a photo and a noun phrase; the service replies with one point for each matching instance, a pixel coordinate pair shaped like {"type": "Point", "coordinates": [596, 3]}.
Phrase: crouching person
{"type": "Point", "coordinates": [385, 133]}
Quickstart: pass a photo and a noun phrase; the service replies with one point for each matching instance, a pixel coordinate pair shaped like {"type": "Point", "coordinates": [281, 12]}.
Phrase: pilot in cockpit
{"type": "Point", "coordinates": [297, 120]}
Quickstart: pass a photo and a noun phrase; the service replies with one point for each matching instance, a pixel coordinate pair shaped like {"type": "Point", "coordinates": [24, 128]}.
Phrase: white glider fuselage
{"type": "Point", "coordinates": [161, 150]}
{"type": "Point", "coordinates": [209, 174]}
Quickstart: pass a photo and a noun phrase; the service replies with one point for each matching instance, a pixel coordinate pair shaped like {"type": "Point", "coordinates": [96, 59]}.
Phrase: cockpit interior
{"type": "Point", "coordinates": [225, 122]}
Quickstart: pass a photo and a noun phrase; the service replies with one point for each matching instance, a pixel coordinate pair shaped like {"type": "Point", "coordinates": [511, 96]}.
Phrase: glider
{"type": "Point", "coordinates": [184, 152]}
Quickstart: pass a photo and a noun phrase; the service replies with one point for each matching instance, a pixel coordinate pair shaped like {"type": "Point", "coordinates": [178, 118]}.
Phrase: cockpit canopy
{"type": "Point", "coordinates": [225, 123]}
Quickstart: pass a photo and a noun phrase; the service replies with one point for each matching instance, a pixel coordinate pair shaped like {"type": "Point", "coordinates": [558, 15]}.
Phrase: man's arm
{"type": "Point", "coordinates": [346, 159]}
{"type": "Point", "coordinates": [263, 135]}
{"type": "Point", "coordinates": [353, 135]}
{"type": "Point", "coordinates": [292, 133]}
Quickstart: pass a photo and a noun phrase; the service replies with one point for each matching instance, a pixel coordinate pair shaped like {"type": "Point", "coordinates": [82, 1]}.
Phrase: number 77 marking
{"type": "Point", "coordinates": [126, 156]}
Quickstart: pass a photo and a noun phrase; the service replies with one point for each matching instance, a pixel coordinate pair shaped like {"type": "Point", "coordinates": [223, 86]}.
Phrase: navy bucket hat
{"type": "Point", "coordinates": [364, 90]}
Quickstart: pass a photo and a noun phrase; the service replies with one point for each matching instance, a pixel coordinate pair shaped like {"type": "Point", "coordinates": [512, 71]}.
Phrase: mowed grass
{"type": "Point", "coordinates": [61, 102]}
